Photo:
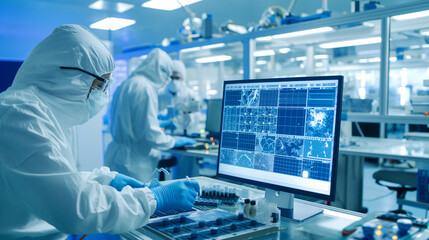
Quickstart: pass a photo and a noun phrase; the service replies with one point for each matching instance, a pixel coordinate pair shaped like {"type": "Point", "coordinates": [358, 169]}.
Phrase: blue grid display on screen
{"type": "Point", "coordinates": [232, 98]}
{"type": "Point", "coordinates": [291, 97]}
{"type": "Point", "coordinates": [288, 165]}
{"type": "Point", "coordinates": [230, 140]}
{"type": "Point", "coordinates": [317, 169]}
{"type": "Point", "coordinates": [269, 98]}
{"type": "Point", "coordinates": [287, 129]}
{"type": "Point", "coordinates": [322, 97]}
{"type": "Point", "coordinates": [291, 121]}
{"type": "Point", "coordinates": [246, 141]}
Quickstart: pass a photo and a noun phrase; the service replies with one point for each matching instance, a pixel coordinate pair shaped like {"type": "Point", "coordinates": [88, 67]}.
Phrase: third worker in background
{"type": "Point", "coordinates": [133, 120]}
{"type": "Point", "coordinates": [179, 104]}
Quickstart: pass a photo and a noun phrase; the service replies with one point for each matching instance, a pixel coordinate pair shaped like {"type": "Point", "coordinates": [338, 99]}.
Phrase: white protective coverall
{"type": "Point", "coordinates": [42, 192]}
{"type": "Point", "coordinates": [134, 125]}
{"type": "Point", "coordinates": [177, 92]}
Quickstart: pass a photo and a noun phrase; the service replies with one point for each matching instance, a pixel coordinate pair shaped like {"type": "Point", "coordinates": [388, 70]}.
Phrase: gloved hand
{"type": "Point", "coordinates": [167, 125]}
{"type": "Point", "coordinates": [177, 195]}
{"type": "Point", "coordinates": [182, 141]}
{"type": "Point", "coordinates": [163, 117]}
{"type": "Point", "coordinates": [121, 180]}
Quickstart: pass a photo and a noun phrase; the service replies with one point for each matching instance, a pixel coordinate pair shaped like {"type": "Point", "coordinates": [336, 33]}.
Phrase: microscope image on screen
{"type": "Point", "coordinates": [282, 134]}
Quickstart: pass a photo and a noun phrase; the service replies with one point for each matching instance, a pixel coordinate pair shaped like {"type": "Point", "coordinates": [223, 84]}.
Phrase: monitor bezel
{"type": "Point", "coordinates": [331, 195]}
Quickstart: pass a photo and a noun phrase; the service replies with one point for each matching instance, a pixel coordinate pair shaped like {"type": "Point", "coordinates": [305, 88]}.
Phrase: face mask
{"type": "Point", "coordinates": [96, 101]}
{"type": "Point", "coordinates": [173, 86]}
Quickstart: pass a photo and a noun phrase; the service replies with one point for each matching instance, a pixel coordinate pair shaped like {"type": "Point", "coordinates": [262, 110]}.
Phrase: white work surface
{"type": "Point", "coordinates": [399, 149]}
{"type": "Point", "coordinates": [327, 225]}
{"type": "Point", "coordinates": [351, 161]}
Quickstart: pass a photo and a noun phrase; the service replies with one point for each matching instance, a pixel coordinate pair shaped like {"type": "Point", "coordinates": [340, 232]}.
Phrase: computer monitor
{"type": "Point", "coordinates": [282, 134]}
{"type": "Point", "coordinates": [214, 111]}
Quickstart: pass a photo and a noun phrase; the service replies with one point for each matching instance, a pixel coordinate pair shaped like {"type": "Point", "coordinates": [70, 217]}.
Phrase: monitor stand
{"type": "Point", "coordinates": [289, 208]}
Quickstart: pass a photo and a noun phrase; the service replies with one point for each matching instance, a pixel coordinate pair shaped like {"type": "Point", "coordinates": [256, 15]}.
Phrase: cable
{"type": "Point", "coordinates": [379, 197]}
{"type": "Point", "coordinates": [359, 129]}
{"type": "Point", "coordinates": [190, 13]}
{"type": "Point", "coordinates": [83, 236]}
{"type": "Point", "coordinates": [291, 5]}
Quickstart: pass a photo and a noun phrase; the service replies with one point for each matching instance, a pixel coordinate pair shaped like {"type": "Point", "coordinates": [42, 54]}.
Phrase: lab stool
{"type": "Point", "coordinates": [167, 164]}
{"type": "Point", "coordinates": [406, 179]}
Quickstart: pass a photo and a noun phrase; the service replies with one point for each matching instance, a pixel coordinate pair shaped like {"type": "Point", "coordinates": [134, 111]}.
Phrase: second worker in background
{"type": "Point", "coordinates": [133, 120]}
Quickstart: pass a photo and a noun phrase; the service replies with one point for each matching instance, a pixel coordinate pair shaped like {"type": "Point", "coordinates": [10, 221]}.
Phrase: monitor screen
{"type": "Point", "coordinates": [282, 134]}
{"type": "Point", "coordinates": [214, 110]}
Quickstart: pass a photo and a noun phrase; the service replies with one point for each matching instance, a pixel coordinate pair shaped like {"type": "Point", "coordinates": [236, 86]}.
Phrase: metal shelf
{"type": "Point", "coordinates": [413, 203]}
{"type": "Point", "coordinates": [376, 118]}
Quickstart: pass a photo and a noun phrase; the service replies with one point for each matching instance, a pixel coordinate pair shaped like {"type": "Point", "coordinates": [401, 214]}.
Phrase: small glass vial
{"type": "Point", "coordinates": [246, 207]}
{"type": "Point", "coordinates": [252, 209]}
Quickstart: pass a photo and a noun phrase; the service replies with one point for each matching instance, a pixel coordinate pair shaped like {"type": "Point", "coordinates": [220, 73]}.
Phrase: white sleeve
{"type": "Point", "coordinates": [34, 169]}
{"type": "Point", "coordinates": [102, 175]}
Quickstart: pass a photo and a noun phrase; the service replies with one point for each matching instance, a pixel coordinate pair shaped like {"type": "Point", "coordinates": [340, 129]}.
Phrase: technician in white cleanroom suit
{"type": "Point", "coordinates": [137, 136]}
{"type": "Point", "coordinates": [179, 96]}
{"type": "Point", "coordinates": [63, 83]}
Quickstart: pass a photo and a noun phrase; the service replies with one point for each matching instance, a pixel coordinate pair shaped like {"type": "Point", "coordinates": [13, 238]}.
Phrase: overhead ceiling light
{"type": "Point", "coordinates": [424, 32]}
{"type": "Point", "coordinates": [261, 62]}
{"type": "Point", "coordinates": [218, 45]}
{"type": "Point", "coordinates": [356, 42]}
{"type": "Point", "coordinates": [112, 23]}
{"type": "Point", "coordinates": [321, 56]}
{"type": "Point", "coordinates": [284, 50]}
{"type": "Point", "coordinates": [374, 59]}
{"type": "Point", "coordinates": [167, 4]}
{"type": "Point", "coordinates": [219, 58]}
{"type": "Point", "coordinates": [363, 60]}
{"type": "Point", "coordinates": [413, 15]}
{"type": "Point", "coordinates": [106, 5]}
{"type": "Point", "coordinates": [264, 39]}
{"type": "Point", "coordinates": [302, 58]}
{"type": "Point", "coordinates": [212, 92]}
{"type": "Point", "coordinates": [415, 46]}
{"type": "Point", "coordinates": [368, 24]}
{"type": "Point", "coordinates": [263, 53]}
{"type": "Point", "coordinates": [190, 49]}
{"type": "Point", "coordinates": [393, 59]}
{"type": "Point", "coordinates": [319, 64]}
{"type": "Point", "coordinates": [304, 32]}
{"type": "Point", "coordinates": [257, 70]}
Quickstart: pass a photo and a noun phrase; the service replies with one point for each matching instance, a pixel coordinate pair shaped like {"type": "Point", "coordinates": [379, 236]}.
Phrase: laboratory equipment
{"type": "Point", "coordinates": [381, 229]}
{"type": "Point", "coordinates": [282, 134]}
{"type": "Point", "coordinates": [217, 196]}
{"type": "Point", "coordinates": [210, 224]}
{"type": "Point", "coordinates": [214, 108]}
{"type": "Point", "coordinates": [184, 109]}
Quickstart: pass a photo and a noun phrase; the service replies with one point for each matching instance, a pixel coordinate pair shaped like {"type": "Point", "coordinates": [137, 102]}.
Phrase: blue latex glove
{"type": "Point", "coordinates": [177, 195]}
{"type": "Point", "coordinates": [167, 125]}
{"type": "Point", "coordinates": [182, 141]}
{"type": "Point", "coordinates": [163, 117]}
{"type": "Point", "coordinates": [121, 180]}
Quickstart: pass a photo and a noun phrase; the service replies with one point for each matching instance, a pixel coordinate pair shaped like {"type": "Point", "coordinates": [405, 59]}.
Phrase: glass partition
{"type": "Point", "coordinates": [409, 63]}
{"type": "Point", "coordinates": [208, 66]}
{"type": "Point", "coordinates": [351, 50]}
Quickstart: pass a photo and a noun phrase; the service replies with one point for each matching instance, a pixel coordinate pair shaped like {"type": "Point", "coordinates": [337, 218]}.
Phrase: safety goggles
{"type": "Point", "coordinates": [175, 77]}
{"type": "Point", "coordinates": [100, 83]}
